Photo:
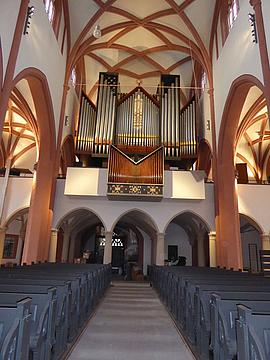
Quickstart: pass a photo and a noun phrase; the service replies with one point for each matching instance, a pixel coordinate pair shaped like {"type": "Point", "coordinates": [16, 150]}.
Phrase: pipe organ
{"type": "Point", "coordinates": [106, 111]}
{"type": "Point", "coordinates": [135, 178]}
{"type": "Point", "coordinates": [136, 125]}
{"type": "Point", "coordinates": [86, 126]}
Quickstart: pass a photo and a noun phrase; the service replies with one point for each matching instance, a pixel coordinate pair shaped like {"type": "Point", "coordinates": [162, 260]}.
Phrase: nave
{"type": "Point", "coordinates": [130, 323]}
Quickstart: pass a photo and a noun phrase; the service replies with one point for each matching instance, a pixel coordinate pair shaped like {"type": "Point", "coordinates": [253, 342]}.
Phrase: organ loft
{"type": "Point", "coordinates": [137, 134]}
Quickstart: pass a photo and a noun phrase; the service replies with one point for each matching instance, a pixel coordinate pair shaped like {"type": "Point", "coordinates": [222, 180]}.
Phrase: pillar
{"type": "Point", "coordinates": [212, 248]}
{"type": "Point", "coordinates": [71, 252]}
{"type": "Point", "coordinates": [265, 241]}
{"type": "Point", "coordinates": [2, 242]}
{"type": "Point", "coordinates": [53, 245]}
{"type": "Point", "coordinates": [201, 254]}
{"type": "Point", "coordinates": [107, 258]}
{"type": "Point", "coordinates": [66, 241]}
{"type": "Point", "coordinates": [160, 249]}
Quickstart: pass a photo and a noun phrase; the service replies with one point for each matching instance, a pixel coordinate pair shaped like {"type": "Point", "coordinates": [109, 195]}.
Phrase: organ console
{"type": "Point", "coordinates": [137, 132]}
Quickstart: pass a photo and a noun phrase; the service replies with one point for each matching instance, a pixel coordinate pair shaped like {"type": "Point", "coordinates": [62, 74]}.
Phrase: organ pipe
{"type": "Point", "coordinates": [86, 125]}
{"type": "Point", "coordinates": [105, 120]}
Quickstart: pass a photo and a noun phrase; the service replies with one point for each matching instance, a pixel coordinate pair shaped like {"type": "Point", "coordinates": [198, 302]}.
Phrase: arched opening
{"type": "Point", "coordinates": [138, 234]}
{"type": "Point", "coordinates": [204, 161]}
{"type": "Point", "coordinates": [37, 103]}
{"type": "Point", "coordinates": [79, 237]}
{"type": "Point", "coordinates": [244, 93]}
{"type": "Point", "coordinates": [15, 229]}
{"type": "Point", "coordinates": [251, 243]}
{"type": "Point", "coordinates": [186, 235]}
{"type": "Point", "coordinates": [67, 154]}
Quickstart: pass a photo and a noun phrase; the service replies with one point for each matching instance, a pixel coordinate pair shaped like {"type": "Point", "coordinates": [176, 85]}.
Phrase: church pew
{"type": "Point", "coordinates": [62, 310]}
{"type": "Point", "coordinates": [77, 313]}
{"type": "Point", "coordinates": [15, 334]}
{"type": "Point", "coordinates": [82, 300]}
{"type": "Point", "coordinates": [42, 321]}
{"type": "Point", "coordinates": [223, 317]}
{"type": "Point", "coordinates": [87, 283]}
{"type": "Point", "coordinates": [64, 304]}
{"type": "Point", "coordinates": [169, 284]}
{"type": "Point", "coordinates": [252, 328]}
{"type": "Point", "coordinates": [192, 293]}
{"type": "Point", "coordinates": [201, 319]}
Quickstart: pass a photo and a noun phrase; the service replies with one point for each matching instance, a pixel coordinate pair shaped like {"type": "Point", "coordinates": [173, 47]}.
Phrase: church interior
{"type": "Point", "coordinates": [134, 179]}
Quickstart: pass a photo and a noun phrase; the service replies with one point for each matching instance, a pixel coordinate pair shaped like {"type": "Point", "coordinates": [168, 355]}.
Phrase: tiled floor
{"type": "Point", "coordinates": [131, 324]}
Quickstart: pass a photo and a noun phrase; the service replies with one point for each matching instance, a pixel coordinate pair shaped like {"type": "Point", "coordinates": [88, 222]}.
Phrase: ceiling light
{"type": "Point", "coordinates": [97, 32]}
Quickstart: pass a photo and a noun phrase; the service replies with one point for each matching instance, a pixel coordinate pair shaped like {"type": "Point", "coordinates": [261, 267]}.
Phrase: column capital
{"type": "Point", "coordinates": [109, 234]}
{"type": "Point", "coordinates": [210, 92]}
{"type": "Point", "coordinates": [54, 231]}
{"type": "Point", "coordinates": [255, 3]}
{"type": "Point", "coordinates": [3, 229]}
{"type": "Point", "coordinates": [160, 234]}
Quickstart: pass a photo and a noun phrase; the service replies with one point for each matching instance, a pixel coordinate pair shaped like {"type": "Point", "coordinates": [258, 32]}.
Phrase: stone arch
{"type": "Point", "coordinates": [253, 222]}
{"type": "Point", "coordinates": [67, 153]}
{"type": "Point", "coordinates": [205, 156]}
{"type": "Point", "coordinates": [136, 210]}
{"type": "Point", "coordinates": [75, 229]}
{"type": "Point", "coordinates": [188, 233]}
{"type": "Point", "coordinates": [15, 214]}
{"type": "Point", "coordinates": [40, 213]}
{"type": "Point", "coordinates": [228, 233]}
{"type": "Point", "coordinates": [73, 211]}
{"type": "Point", "coordinates": [188, 212]}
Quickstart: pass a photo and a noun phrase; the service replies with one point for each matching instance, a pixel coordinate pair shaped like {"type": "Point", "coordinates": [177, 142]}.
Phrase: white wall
{"type": "Point", "coordinates": [251, 237]}
{"type": "Point", "coordinates": [8, 19]}
{"type": "Point", "coordinates": [18, 195]}
{"type": "Point", "coordinates": [175, 235]}
{"type": "Point", "coordinates": [238, 56]}
{"type": "Point", "coordinates": [40, 49]}
{"type": "Point", "coordinates": [110, 211]}
{"type": "Point", "coordinates": [253, 201]}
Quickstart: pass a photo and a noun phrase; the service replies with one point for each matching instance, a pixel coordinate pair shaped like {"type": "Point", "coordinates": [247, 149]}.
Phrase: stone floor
{"type": "Point", "coordinates": [131, 324]}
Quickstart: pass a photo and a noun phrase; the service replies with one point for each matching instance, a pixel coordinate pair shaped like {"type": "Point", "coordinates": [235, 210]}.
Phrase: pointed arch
{"type": "Point", "coordinates": [228, 227]}
{"type": "Point", "coordinates": [77, 210]}
{"type": "Point", "coordinates": [40, 213]}
{"type": "Point", "coordinates": [141, 212]}
{"type": "Point", "coordinates": [192, 213]}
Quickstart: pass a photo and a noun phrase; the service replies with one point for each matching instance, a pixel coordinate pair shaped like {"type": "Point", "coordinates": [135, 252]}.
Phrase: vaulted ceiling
{"type": "Point", "coordinates": [141, 40]}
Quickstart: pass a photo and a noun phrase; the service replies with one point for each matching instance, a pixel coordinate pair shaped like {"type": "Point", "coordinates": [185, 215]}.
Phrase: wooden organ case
{"type": "Point", "coordinates": [136, 135]}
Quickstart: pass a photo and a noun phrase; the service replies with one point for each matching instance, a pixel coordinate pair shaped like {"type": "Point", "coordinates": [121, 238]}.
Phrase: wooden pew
{"type": "Point", "coordinates": [81, 285]}
{"type": "Point", "coordinates": [223, 317]}
{"type": "Point", "coordinates": [253, 329]}
{"type": "Point", "coordinates": [42, 321]}
{"type": "Point", "coordinates": [202, 320]}
{"type": "Point", "coordinates": [14, 336]}
{"type": "Point", "coordinates": [62, 312]}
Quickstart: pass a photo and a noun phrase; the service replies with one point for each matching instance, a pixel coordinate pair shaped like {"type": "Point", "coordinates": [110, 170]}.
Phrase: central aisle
{"type": "Point", "coordinates": [131, 324]}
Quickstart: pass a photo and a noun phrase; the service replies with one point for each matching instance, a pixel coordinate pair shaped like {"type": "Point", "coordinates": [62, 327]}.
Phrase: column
{"type": "Point", "coordinates": [2, 241]}
{"type": "Point", "coordinates": [66, 241]}
{"type": "Point", "coordinates": [53, 245]}
{"type": "Point", "coordinates": [212, 248]}
{"type": "Point", "coordinates": [107, 258]}
{"type": "Point", "coordinates": [72, 241]}
{"type": "Point", "coordinates": [201, 254]}
{"type": "Point", "coordinates": [160, 249]}
{"type": "Point", "coordinates": [265, 240]}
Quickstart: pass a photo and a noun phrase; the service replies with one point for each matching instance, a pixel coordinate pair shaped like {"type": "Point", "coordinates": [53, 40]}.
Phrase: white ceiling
{"type": "Point", "coordinates": [140, 39]}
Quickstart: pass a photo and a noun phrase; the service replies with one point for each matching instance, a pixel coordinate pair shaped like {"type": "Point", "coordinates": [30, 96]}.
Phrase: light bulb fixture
{"type": "Point", "coordinates": [97, 32]}
{"type": "Point", "coordinates": [252, 20]}
{"type": "Point", "coordinates": [30, 13]}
